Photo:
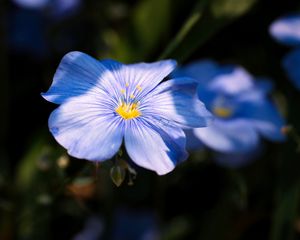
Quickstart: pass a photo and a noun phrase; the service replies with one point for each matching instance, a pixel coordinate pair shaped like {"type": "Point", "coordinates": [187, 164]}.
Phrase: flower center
{"type": "Point", "coordinates": [128, 111]}
{"type": "Point", "coordinates": [222, 112]}
{"type": "Point", "coordinates": [223, 107]}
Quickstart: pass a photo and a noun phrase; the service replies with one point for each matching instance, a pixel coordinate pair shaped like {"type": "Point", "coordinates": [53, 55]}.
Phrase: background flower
{"type": "Point", "coordinates": [286, 30]}
{"type": "Point", "coordinates": [241, 106]}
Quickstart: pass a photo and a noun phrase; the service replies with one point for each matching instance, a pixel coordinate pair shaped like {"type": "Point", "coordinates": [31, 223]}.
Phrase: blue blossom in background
{"type": "Point", "coordinates": [241, 108]}
{"type": "Point", "coordinates": [30, 23]}
{"type": "Point", "coordinates": [102, 102]}
{"type": "Point", "coordinates": [55, 8]}
{"type": "Point", "coordinates": [286, 30]}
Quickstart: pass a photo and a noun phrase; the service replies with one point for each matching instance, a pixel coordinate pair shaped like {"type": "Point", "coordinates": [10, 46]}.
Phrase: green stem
{"type": "Point", "coordinates": [186, 28]}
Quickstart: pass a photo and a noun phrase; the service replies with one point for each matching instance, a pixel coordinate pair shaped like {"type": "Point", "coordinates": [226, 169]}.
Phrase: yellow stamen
{"type": "Point", "coordinates": [128, 111]}
{"type": "Point", "coordinates": [139, 88]}
{"type": "Point", "coordinates": [132, 96]}
{"type": "Point", "coordinates": [127, 84]}
{"type": "Point", "coordinates": [222, 112]}
{"type": "Point", "coordinates": [122, 91]}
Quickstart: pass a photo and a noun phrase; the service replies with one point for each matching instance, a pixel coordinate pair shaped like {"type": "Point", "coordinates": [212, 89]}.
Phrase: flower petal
{"type": "Point", "coordinates": [202, 71]}
{"type": "Point", "coordinates": [193, 142]}
{"type": "Point", "coordinates": [87, 129]}
{"type": "Point", "coordinates": [228, 79]}
{"type": "Point", "coordinates": [78, 74]}
{"type": "Point", "coordinates": [140, 78]}
{"type": "Point", "coordinates": [174, 101]}
{"type": "Point", "coordinates": [37, 4]}
{"type": "Point", "coordinates": [265, 117]}
{"type": "Point", "coordinates": [231, 80]}
{"type": "Point", "coordinates": [232, 136]}
{"type": "Point", "coordinates": [291, 64]}
{"type": "Point", "coordinates": [155, 147]}
{"type": "Point", "coordinates": [286, 30]}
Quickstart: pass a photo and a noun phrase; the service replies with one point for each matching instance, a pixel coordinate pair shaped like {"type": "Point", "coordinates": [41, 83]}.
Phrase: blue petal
{"type": "Point", "coordinates": [64, 8]}
{"type": "Point", "coordinates": [265, 117]}
{"type": "Point", "coordinates": [173, 100]}
{"type": "Point", "coordinates": [232, 136]}
{"type": "Point", "coordinates": [202, 71]}
{"type": "Point", "coordinates": [291, 64]}
{"type": "Point", "coordinates": [228, 79]}
{"type": "Point", "coordinates": [140, 78]}
{"type": "Point", "coordinates": [184, 84]}
{"type": "Point", "coordinates": [33, 4]}
{"type": "Point", "coordinates": [192, 142]}
{"type": "Point", "coordinates": [87, 129]}
{"type": "Point", "coordinates": [78, 74]}
{"type": "Point", "coordinates": [286, 30]}
{"type": "Point", "coordinates": [231, 80]}
{"type": "Point", "coordinates": [155, 147]}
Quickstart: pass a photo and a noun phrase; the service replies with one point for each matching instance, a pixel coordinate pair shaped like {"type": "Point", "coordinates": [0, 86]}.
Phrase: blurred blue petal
{"type": "Point", "coordinates": [291, 64]}
{"type": "Point", "coordinates": [193, 142]}
{"type": "Point", "coordinates": [231, 80]}
{"type": "Point", "coordinates": [265, 118]}
{"type": "Point", "coordinates": [64, 8]}
{"type": "Point", "coordinates": [286, 30]}
{"type": "Point", "coordinates": [185, 85]}
{"type": "Point", "coordinates": [32, 4]}
{"type": "Point", "coordinates": [202, 71]}
{"type": "Point", "coordinates": [56, 9]}
{"type": "Point", "coordinates": [234, 136]}
{"type": "Point", "coordinates": [241, 107]}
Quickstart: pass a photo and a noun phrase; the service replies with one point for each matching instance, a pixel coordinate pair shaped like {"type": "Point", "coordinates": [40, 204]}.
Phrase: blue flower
{"type": "Point", "coordinates": [240, 105]}
{"type": "Point", "coordinates": [56, 8]}
{"type": "Point", "coordinates": [103, 102]}
{"type": "Point", "coordinates": [286, 30]}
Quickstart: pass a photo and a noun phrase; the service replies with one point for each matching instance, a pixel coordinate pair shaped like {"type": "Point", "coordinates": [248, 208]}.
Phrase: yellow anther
{"type": "Point", "coordinates": [123, 91]}
{"type": "Point", "coordinates": [128, 111]}
{"type": "Point", "coordinates": [127, 84]}
{"type": "Point", "coordinates": [139, 88]}
{"type": "Point", "coordinates": [222, 112]}
{"type": "Point", "coordinates": [132, 96]}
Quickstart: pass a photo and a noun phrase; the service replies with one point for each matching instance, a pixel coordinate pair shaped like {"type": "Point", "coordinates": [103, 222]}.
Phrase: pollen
{"type": "Point", "coordinates": [128, 111]}
{"type": "Point", "coordinates": [139, 88]}
{"type": "Point", "coordinates": [132, 96]}
{"type": "Point", "coordinates": [123, 91]}
{"type": "Point", "coordinates": [127, 84]}
{"type": "Point", "coordinates": [222, 112]}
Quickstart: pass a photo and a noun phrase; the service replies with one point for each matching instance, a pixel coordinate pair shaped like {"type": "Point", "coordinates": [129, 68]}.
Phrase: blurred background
{"type": "Point", "coordinates": [45, 194]}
